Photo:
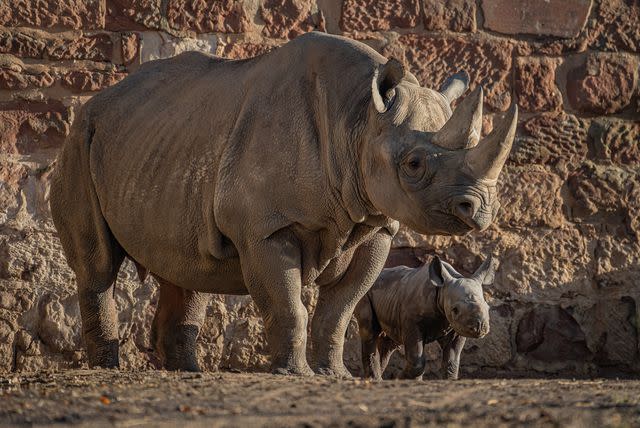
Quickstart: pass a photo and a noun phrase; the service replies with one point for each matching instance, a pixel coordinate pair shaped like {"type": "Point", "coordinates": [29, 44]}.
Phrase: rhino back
{"type": "Point", "coordinates": [195, 155]}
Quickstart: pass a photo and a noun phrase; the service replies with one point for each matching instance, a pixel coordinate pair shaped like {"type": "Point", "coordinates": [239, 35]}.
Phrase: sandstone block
{"type": "Point", "coordinates": [535, 84]}
{"type": "Point", "coordinates": [561, 18]}
{"type": "Point", "coordinates": [130, 47]}
{"type": "Point", "coordinates": [26, 43]}
{"type": "Point", "coordinates": [604, 84]}
{"type": "Point", "coordinates": [616, 26]}
{"type": "Point", "coordinates": [133, 14]}
{"type": "Point", "coordinates": [206, 16]}
{"type": "Point", "coordinates": [550, 139]}
{"type": "Point", "coordinates": [242, 50]}
{"type": "Point", "coordinates": [550, 334]}
{"type": "Point", "coordinates": [286, 19]}
{"type": "Point", "coordinates": [91, 81]}
{"type": "Point", "coordinates": [616, 140]}
{"type": "Point", "coordinates": [29, 126]}
{"type": "Point", "coordinates": [379, 15]}
{"type": "Point", "coordinates": [157, 45]}
{"type": "Point", "coordinates": [74, 14]}
{"type": "Point", "coordinates": [454, 15]}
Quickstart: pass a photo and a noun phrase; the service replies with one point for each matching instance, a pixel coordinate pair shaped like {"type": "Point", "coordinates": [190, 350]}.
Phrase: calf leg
{"type": "Point", "coordinates": [414, 355]}
{"type": "Point", "coordinates": [176, 324]}
{"type": "Point", "coordinates": [337, 302]}
{"type": "Point", "coordinates": [451, 350]}
{"type": "Point", "coordinates": [368, 335]}
{"type": "Point", "coordinates": [386, 348]}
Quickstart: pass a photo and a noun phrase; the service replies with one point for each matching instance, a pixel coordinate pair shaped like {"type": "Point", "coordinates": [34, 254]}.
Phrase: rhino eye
{"type": "Point", "coordinates": [413, 166]}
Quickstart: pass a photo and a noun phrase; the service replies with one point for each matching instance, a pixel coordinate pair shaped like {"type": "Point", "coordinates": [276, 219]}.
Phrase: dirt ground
{"type": "Point", "coordinates": [157, 398]}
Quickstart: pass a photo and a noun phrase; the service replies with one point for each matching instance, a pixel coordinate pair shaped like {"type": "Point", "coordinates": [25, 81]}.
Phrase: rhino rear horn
{"type": "Point", "coordinates": [485, 161]}
{"type": "Point", "coordinates": [462, 130]}
{"type": "Point", "coordinates": [455, 85]}
{"type": "Point", "coordinates": [385, 79]}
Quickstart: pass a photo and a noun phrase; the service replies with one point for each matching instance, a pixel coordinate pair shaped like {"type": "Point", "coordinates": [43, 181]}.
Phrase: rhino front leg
{"type": "Point", "coordinates": [272, 272]}
{"type": "Point", "coordinates": [451, 350]}
{"type": "Point", "coordinates": [414, 355]}
{"type": "Point", "coordinates": [338, 300]}
{"type": "Point", "coordinates": [176, 324]}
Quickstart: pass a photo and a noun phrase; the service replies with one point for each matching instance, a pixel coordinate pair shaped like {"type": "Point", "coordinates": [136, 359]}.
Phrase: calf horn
{"type": "Point", "coordinates": [462, 130]}
{"type": "Point", "coordinates": [486, 160]}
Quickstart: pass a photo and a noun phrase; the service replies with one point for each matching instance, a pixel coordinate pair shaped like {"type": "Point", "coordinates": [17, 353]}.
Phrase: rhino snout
{"type": "Point", "coordinates": [468, 210]}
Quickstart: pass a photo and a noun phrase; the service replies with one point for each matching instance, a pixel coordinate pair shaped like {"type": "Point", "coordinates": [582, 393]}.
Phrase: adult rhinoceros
{"type": "Point", "coordinates": [261, 176]}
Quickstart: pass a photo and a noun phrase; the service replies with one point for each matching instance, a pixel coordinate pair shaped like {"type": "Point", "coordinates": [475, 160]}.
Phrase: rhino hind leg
{"type": "Point", "coordinates": [90, 248]}
{"type": "Point", "coordinates": [179, 316]}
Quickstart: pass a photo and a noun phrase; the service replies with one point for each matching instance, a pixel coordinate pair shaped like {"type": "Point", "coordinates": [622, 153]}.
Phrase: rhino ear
{"type": "Point", "coordinates": [486, 273]}
{"type": "Point", "coordinates": [455, 85]}
{"type": "Point", "coordinates": [438, 274]}
{"type": "Point", "coordinates": [385, 80]}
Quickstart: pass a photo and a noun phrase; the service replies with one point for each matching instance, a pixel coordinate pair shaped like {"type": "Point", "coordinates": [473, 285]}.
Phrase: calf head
{"type": "Point", "coordinates": [427, 166]}
{"type": "Point", "coordinates": [461, 298]}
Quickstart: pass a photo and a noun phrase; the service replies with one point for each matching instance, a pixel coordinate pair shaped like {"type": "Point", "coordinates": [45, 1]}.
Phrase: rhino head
{"type": "Point", "coordinates": [461, 299]}
{"type": "Point", "coordinates": [427, 166]}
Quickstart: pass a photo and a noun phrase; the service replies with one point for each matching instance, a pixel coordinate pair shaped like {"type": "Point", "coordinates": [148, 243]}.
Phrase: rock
{"type": "Point", "coordinates": [432, 58]}
{"type": "Point", "coordinates": [206, 16]}
{"type": "Point", "coordinates": [615, 140]}
{"type": "Point", "coordinates": [535, 84]}
{"type": "Point", "coordinates": [242, 50]}
{"type": "Point", "coordinates": [29, 126]}
{"type": "Point", "coordinates": [58, 324]}
{"type": "Point", "coordinates": [17, 78]}
{"type": "Point", "coordinates": [454, 15]}
{"type": "Point", "coordinates": [133, 15]}
{"type": "Point", "coordinates": [616, 26]}
{"type": "Point", "coordinates": [27, 43]}
{"type": "Point", "coordinates": [550, 139]}
{"type": "Point", "coordinates": [156, 45]}
{"type": "Point", "coordinates": [130, 47]}
{"type": "Point", "coordinates": [561, 18]}
{"type": "Point", "coordinates": [379, 15]}
{"type": "Point", "coordinates": [74, 14]}
{"type": "Point", "coordinates": [91, 81]}
{"type": "Point", "coordinates": [551, 334]}
{"type": "Point", "coordinates": [604, 84]}
{"type": "Point", "coordinates": [530, 196]}
{"type": "Point", "coordinates": [286, 19]}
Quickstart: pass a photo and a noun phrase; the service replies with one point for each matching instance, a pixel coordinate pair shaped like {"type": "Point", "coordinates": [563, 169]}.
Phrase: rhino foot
{"type": "Point", "coordinates": [293, 371]}
{"type": "Point", "coordinates": [339, 372]}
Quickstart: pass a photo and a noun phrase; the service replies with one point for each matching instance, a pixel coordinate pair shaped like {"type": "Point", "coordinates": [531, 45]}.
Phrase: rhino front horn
{"type": "Point", "coordinates": [485, 161]}
{"type": "Point", "coordinates": [462, 130]}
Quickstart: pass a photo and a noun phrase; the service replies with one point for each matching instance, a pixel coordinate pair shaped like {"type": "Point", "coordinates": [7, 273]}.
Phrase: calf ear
{"type": "Point", "coordinates": [455, 85]}
{"type": "Point", "coordinates": [438, 274]}
{"type": "Point", "coordinates": [385, 80]}
{"type": "Point", "coordinates": [486, 273]}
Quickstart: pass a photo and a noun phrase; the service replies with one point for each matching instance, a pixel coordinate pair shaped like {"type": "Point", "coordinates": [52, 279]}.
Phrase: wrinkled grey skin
{"type": "Point", "coordinates": [413, 307]}
{"type": "Point", "coordinates": [258, 176]}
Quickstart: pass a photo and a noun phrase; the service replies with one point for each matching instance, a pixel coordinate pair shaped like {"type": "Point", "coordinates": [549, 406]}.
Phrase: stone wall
{"type": "Point", "coordinates": [567, 295]}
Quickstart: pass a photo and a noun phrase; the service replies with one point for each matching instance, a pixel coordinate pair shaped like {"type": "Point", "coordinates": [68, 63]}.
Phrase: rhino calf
{"type": "Point", "coordinates": [413, 307]}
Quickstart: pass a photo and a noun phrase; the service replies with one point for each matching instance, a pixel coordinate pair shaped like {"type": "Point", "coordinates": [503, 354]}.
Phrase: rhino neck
{"type": "Point", "coordinates": [340, 136]}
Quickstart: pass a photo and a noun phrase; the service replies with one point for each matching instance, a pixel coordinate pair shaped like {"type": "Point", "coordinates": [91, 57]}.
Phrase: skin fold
{"type": "Point", "coordinates": [411, 308]}
{"type": "Point", "coordinates": [258, 177]}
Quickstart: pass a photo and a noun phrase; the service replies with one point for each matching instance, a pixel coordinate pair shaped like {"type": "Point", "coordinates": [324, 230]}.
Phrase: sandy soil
{"type": "Point", "coordinates": [158, 398]}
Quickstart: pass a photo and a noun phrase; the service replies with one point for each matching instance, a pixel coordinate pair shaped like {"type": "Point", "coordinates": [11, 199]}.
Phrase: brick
{"type": "Point", "coordinates": [71, 14]}
{"type": "Point", "coordinates": [286, 19]}
{"type": "Point", "coordinates": [454, 15]}
{"type": "Point", "coordinates": [616, 26]}
{"type": "Point", "coordinates": [603, 84]}
{"type": "Point", "coordinates": [535, 84]}
{"type": "Point", "coordinates": [615, 140]}
{"type": "Point", "coordinates": [60, 46]}
{"type": "Point", "coordinates": [91, 81]}
{"type": "Point", "coordinates": [13, 79]}
{"type": "Point", "coordinates": [133, 15]}
{"type": "Point", "coordinates": [243, 50]}
{"type": "Point", "coordinates": [434, 58]}
{"type": "Point", "coordinates": [206, 16]}
{"type": "Point", "coordinates": [561, 18]}
{"type": "Point", "coordinates": [550, 138]}
{"type": "Point", "coordinates": [130, 47]}
{"type": "Point", "coordinates": [379, 15]}
{"type": "Point", "coordinates": [26, 126]}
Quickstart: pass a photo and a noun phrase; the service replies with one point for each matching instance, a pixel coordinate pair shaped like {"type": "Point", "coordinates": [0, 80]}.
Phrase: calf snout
{"type": "Point", "coordinates": [480, 327]}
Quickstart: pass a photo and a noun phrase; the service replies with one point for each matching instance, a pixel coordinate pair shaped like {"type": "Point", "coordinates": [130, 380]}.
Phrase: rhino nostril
{"type": "Point", "coordinates": [465, 210]}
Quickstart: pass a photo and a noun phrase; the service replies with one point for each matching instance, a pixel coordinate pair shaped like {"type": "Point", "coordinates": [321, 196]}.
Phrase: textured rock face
{"type": "Point", "coordinates": [566, 296]}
